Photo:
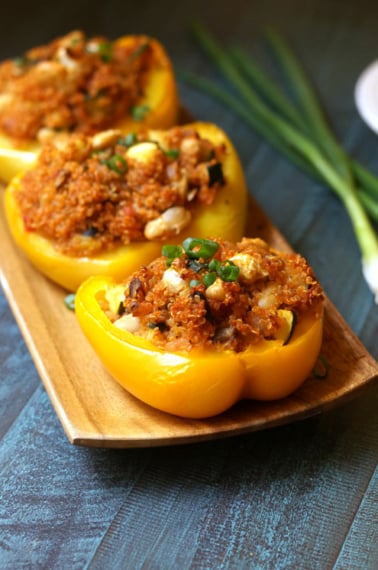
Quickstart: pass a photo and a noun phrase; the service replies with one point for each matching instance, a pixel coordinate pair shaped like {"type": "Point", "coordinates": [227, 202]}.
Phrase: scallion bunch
{"type": "Point", "coordinates": [298, 130]}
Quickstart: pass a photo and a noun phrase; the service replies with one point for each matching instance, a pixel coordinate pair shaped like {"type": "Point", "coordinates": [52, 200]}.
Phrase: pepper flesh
{"type": "Point", "coordinates": [199, 383]}
{"type": "Point", "coordinates": [225, 217]}
{"type": "Point", "coordinates": [160, 97]}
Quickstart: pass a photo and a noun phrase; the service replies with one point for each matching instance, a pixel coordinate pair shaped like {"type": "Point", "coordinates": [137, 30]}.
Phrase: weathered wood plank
{"type": "Point", "coordinates": [282, 498]}
{"type": "Point", "coordinates": [56, 500]}
{"type": "Point", "coordinates": [19, 378]}
{"type": "Point", "coordinates": [360, 547]}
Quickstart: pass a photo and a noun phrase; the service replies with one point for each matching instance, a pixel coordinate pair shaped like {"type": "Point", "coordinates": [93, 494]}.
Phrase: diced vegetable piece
{"type": "Point", "coordinates": [286, 329]}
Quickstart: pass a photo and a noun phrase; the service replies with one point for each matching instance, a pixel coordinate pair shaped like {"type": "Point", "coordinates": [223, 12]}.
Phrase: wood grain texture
{"type": "Point", "coordinates": [360, 547]}
{"type": "Point", "coordinates": [95, 410]}
{"type": "Point", "coordinates": [273, 499]}
{"type": "Point", "coordinates": [18, 375]}
{"type": "Point", "coordinates": [242, 503]}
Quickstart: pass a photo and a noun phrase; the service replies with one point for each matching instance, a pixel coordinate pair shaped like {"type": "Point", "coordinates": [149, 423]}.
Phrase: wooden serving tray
{"type": "Point", "coordinates": [95, 411]}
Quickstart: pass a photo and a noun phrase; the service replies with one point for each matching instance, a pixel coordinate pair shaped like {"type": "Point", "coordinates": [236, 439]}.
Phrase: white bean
{"type": "Point", "coordinates": [171, 222]}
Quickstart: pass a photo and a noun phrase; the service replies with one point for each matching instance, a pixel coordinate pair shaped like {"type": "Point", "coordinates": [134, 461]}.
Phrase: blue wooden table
{"type": "Point", "coordinates": [302, 496]}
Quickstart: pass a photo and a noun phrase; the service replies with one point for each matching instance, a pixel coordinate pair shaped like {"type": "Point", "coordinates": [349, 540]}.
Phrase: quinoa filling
{"type": "Point", "coordinates": [73, 84]}
{"type": "Point", "coordinates": [214, 294]}
{"type": "Point", "coordinates": [92, 194]}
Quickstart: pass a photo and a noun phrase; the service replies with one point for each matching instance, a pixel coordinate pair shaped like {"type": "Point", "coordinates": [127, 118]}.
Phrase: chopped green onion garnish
{"type": "Point", "coordinates": [172, 153]}
{"type": "Point", "coordinates": [209, 278]}
{"type": "Point", "coordinates": [228, 271]}
{"type": "Point", "coordinates": [20, 61]}
{"type": "Point", "coordinates": [138, 112]}
{"type": "Point", "coordinates": [321, 367]}
{"type": "Point", "coordinates": [97, 152]}
{"type": "Point", "coordinates": [75, 41]}
{"type": "Point", "coordinates": [105, 51]}
{"type": "Point", "coordinates": [194, 283]}
{"type": "Point", "coordinates": [214, 265]}
{"type": "Point", "coordinates": [138, 52]}
{"type": "Point", "coordinates": [197, 248]}
{"type": "Point", "coordinates": [171, 252]}
{"type": "Point", "coordinates": [128, 140]}
{"type": "Point", "coordinates": [69, 301]}
{"type": "Point", "coordinates": [116, 163]}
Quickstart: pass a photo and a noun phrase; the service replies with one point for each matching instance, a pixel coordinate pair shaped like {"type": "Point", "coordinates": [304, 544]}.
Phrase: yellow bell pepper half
{"type": "Point", "coordinates": [225, 217]}
{"type": "Point", "coordinates": [198, 384]}
{"type": "Point", "coordinates": [160, 97]}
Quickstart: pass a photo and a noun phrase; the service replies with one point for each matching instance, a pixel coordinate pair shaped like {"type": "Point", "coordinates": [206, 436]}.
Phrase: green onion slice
{"type": "Point", "coordinates": [138, 52]}
{"type": "Point", "coordinates": [138, 112]}
{"type": "Point", "coordinates": [128, 140]}
{"type": "Point", "coordinates": [196, 248]}
{"type": "Point", "coordinates": [171, 252]}
{"type": "Point", "coordinates": [172, 152]}
{"type": "Point", "coordinates": [321, 367]}
{"type": "Point", "coordinates": [20, 61]}
{"type": "Point", "coordinates": [105, 51]}
{"type": "Point", "coordinates": [228, 271]}
{"type": "Point", "coordinates": [209, 278]}
{"type": "Point", "coordinates": [214, 265]}
{"type": "Point", "coordinates": [69, 301]}
{"type": "Point", "coordinates": [116, 163]}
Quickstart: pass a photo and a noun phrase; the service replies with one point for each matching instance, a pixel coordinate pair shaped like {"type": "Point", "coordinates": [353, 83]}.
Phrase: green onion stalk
{"type": "Point", "coordinates": [300, 133]}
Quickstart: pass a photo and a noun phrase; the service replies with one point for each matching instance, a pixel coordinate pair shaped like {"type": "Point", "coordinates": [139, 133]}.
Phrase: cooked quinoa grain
{"type": "Point", "coordinates": [92, 194]}
{"type": "Point", "coordinates": [73, 84]}
{"type": "Point", "coordinates": [175, 304]}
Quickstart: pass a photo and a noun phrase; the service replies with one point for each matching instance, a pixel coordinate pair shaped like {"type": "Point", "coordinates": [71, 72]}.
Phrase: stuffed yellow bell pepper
{"type": "Point", "coordinates": [80, 84]}
{"type": "Point", "coordinates": [207, 324]}
{"type": "Point", "coordinates": [105, 204]}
